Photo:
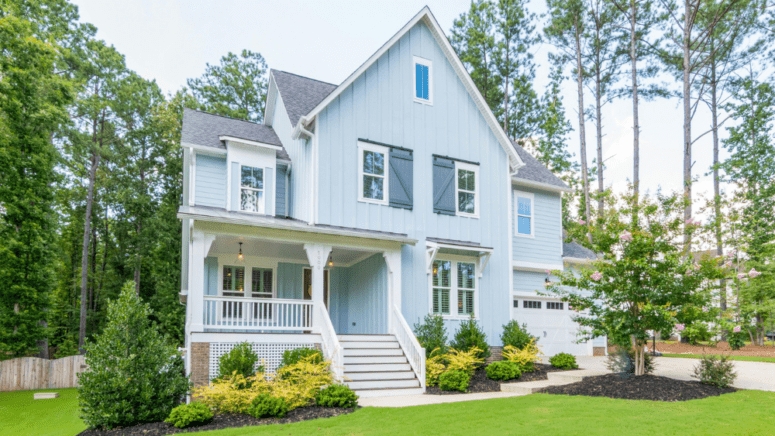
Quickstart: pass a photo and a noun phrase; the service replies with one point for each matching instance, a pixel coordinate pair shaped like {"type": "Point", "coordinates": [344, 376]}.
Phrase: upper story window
{"type": "Point", "coordinates": [453, 281]}
{"type": "Point", "coordinates": [467, 185]}
{"type": "Point", "coordinates": [523, 205]}
{"type": "Point", "coordinates": [252, 189]}
{"type": "Point", "coordinates": [423, 80]}
{"type": "Point", "coordinates": [372, 180]}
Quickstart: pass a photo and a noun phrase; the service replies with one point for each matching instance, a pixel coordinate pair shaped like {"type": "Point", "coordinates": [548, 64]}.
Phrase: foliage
{"type": "Point", "coordinates": [736, 340]}
{"type": "Point", "coordinates": [622, 361]}
{"type": "Point", "coordinates": [466, 361]}
{"type": "Point", "coordinates": [563, 361]}
{"type": "Point", "coordinates": [134, 374]}
{"type": "Point", "coordinates": [454, 381]}
{"type": "Point", "coordinates": [526, 358]}
{"type": "Point", "coordinates": [434, 367]}
{"type": "Point", "coordinates": [240, 360]}
{"type": "Point", "coordinates": [470, 335]}
{"type": "Point", "coordinates": [187, 415]}
{"type": "Point", "coordinates": [516, 335]}
{"type": "Point", "coordinates": [291, 357]}
{"type": "Point", "coordinates": [267, 406]}
{"type": "Point", "coordinates": [337, 396]}
{"type": "Point", "coordinates": [716, 371]}
{"type": "Point", "coordinates": [503, 370]}
{"type": "Point", "coordinates": [431, 334]}
{"type": "Point", "coordinates": [697, 332]}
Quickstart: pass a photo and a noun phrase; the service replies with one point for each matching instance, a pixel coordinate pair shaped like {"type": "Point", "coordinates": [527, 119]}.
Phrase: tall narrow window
{"type": "Point", "coordinates": [233, 281]}
{"type": "Point", "coordinates": [261, 286]}
{"type": "Point", "coordinates": [467, 189]}
{"type": "Point", "coordinates": [442, 286]}
{"type": "Point", "coordinates": [252, 189]}
{"type": "Point", "coordinates": [466, 286]}
{"type": "Point", "coordinates": [373, 185]}
{"type": "Point", "coordinates": [524, 213]}
{"type": "Point", "coordinates": [423, 80]}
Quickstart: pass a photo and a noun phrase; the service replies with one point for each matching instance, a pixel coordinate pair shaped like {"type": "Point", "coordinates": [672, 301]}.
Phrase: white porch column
{"type": "Point", "coordinates": [200, 246]}
{"type": "Point", "coordinates": [393, 262]}
{"type": "Point", "coordinates": [317, 256]}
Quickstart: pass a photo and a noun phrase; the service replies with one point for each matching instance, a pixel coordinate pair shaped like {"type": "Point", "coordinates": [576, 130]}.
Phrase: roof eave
{"type": "Point", "coordinates": [540, 185]}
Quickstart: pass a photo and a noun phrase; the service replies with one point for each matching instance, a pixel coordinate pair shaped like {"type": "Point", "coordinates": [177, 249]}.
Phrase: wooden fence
{"type": "Point", "coordinates": [26, 373]}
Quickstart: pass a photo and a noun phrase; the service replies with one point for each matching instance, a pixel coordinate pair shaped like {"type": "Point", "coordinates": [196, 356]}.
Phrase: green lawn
{"type": "Point", "coordinates": [740, 413]}
{"type": "Point", "coordinates": [742, 358]}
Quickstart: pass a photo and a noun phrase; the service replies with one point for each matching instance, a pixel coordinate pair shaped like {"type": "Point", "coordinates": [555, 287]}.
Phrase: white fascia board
{"type": "Point", "coordinates": [203, 149]}
{"type": "Point", "coordinates": [578, 260]}
{"type": "Point", "coordinates": [249, 142]}
{"type": "Point", "coordinates": [536, 266]}
{"type": "Point", "coordinates": [539, 185]}
{"type": "Point", "coordinates": [471, 248]}
{"type": "Point", "coordinates": [427, 17]}
{"type": "Point", "coordinates": [271, 96]}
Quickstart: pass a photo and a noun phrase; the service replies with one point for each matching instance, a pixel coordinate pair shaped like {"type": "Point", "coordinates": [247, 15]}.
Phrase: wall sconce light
{"type": "Point", "coordinates": [331, 259]}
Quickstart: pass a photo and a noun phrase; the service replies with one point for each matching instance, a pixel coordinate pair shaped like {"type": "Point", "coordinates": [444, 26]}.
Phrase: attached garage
{"type": "Point", "coordinates": [550, 321]}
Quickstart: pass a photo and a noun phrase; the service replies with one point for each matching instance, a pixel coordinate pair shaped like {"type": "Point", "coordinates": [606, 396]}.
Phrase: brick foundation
{"type": "Point", "coordinates": [200, 364]}
{"type": "Point", "coordinates": [496, 354]}
{"type": "Point", "coordinates": [598, 351]}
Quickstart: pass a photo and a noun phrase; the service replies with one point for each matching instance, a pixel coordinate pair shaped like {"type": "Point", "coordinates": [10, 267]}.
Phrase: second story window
{"type": "Point", "coordinates": [252, 189]}
{"type": "Point", "coordinates": [523, 203]}
{"type": "Point", "coordinates": [423, 80]}
{"type": "Point", "coordinates": [467, 185]}
{"type": "Point", "coordinates": [373, 185]}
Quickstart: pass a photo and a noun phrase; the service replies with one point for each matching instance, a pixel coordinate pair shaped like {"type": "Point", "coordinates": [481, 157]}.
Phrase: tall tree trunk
{"type": "Point", "coordinates": [506, 96]}
{"type": "Point", "coordinates": [635, 121]}
{"type": "Point", "coordinates": [95, 161]}
{"type": "Point", "coordinates": [687, 125]}
{"type": "Point", "coordinates": [582, 130]}
{"type": "Point", "coordinates": [599, 115]}
{"type": "Point", "coordinates": [138, 263]}
{"type": "Point", "coordinates": [716, 179]}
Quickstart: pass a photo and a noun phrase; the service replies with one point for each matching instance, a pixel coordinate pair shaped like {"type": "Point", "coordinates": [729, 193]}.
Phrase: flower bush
{"type": "Point", "coordinates": [526, 358]}
{"type": "Point", "coordinates": [337, 396]}
{"type": "Point", "coordinates": [432, 335]}
{"type": "Point", "coordinates": [503, 370]}
{"type": "Point", "coordinates": [715, 371]}
{"type": "Point", "coordinates": [267, 406]}
{"type": "Point", "coordinates": [454, 381]}
{"type": "Point", "coordinates": [516, 335]}
{"type": "Point", "coordinates": [188, 415]}
{"type": "Point", "coordinates": [563, 361]}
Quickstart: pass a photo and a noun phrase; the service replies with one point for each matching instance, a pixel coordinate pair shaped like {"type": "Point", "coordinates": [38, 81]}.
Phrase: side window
{"type": "Point", "coordinates": [261, 286]}
{"type": "Point", "coordinates": [372, 183]}
{"type": "Point", "coordinates": [523, 205]}
{"type": "Point", "coordinates": [442, 286]}
{"type": "Point", "coordinates": [252, 189]}
{"type": "Point", "coordinates": [423, 80]}
{"type": "Point", "coordinates": [453, 281]}
{"type": "Point", "coordinates": [467, 185]}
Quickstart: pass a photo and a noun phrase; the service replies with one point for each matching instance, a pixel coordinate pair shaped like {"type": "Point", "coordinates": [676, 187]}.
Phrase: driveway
{"type": "Point", "coordinates": [750, 375]}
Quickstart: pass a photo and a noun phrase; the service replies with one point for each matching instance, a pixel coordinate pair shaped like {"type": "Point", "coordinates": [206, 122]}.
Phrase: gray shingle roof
{"type": "Point", "coordinates": [203, 129]}
{"type": "Point", "coordinates": [534, 170]}
{"type": "Point", "coordinates": [577, 251]}
{"type": "Point", "coordinates": [300, 94]}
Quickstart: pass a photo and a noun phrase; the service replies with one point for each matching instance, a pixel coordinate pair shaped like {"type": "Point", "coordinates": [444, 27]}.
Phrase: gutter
{"type": "Point", "coordinates": [540, 185]}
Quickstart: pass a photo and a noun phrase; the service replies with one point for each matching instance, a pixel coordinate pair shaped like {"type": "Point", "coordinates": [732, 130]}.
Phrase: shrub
{"type": "Point", "coordinates": [736, 340]}
{"type": "Point", "coordinates": [431, 334]}
{"type": "Point", "coordinates": [697, 332]}
{"type": "Point", "coordinates": [454, 381]}
{"type": "Point", "coordinates": [267, 406]}
{"type": "Point", "coordinates": [466, 361]}
{"type": "Point", "coordinates": [516, 335]}
{"type": "Point", "coordinates": [623, 362]}
{"type": "Point", "coordinates": [526, 358]}
{"type": "Point", "coordinates": [715, 371]}
{"type": "Point", "coordinates": [187, 415]}
{"type": "Point", "coordinates": [337, 396]}
{"type": "Point", "coordinates": [434, 367]}
{"type": "Point", "coordinates": [240, 360]}
{"type": "Point", "coordinates": [503, 370]}
{"type": "Point", "coordinates": [134, 373]}
{"type": "Point", "coordinates": [470, 335]}
{"type": "Point", "coordinates": [291, 357]}
{"type": "Point", "coordinates": [563, 361]}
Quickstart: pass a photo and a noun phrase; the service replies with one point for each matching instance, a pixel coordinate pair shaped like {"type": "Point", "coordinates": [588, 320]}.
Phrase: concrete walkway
{"type": "Point", "coordinates": [422, 400]}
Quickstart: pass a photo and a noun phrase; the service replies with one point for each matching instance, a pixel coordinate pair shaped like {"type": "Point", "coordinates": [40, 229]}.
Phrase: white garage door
{"type": "Point", "coordinates": [550, 321]}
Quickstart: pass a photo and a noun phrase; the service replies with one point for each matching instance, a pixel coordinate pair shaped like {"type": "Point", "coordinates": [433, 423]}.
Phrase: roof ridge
{"type": "Point", "coordinates": [304, 77]}
{"type": "Point", "coordinates": [225, 116]}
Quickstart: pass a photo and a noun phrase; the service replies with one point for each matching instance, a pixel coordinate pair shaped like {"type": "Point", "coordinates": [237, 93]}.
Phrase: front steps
{"type": "Point", "coordinates": [554, 379]}
{"type": "Point", "coordinates": [375, 366]}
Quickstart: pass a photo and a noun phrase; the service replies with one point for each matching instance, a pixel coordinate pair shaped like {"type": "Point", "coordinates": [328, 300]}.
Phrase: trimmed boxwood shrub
{"type": "Point", "coordinates": [454, 381]}
{"type": "Point", "coordinates": [470, 335]}
{"type": "Point", "coordinates": [267, 406]}
{"type": "Point", "coordinates": [432, 335]}
{"type": "Point", "coordinates": [187, 415]}
{"type": "Point", "coordinates": [516, 335]}
{"type": "Point", "coordinates": [503, 370]}
{"type": "Point", "coordinates": [337, 396]}
{"type": "Point", "coordinates": [563, 361]}
{"type": "Point", "coordinates": [291, 357]}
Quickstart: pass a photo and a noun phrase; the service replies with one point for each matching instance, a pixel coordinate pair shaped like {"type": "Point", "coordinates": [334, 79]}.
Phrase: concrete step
{"type": "Point", "coordinates": [372, 352]}
{"type": "Point", "coordinates": [366, 338]}
{"type": "Point", "coordinates": [380, 375]}
{"type": "Point", "coordinates": [527, 388]}
{"type": "Point", "coordinates": [388, 392]}
{"type": "Point", "coordinates": [376, 367]}
{"type": "Point", "coordinates": [373, 359]}
{"type": "Point", "coordinates": [572, 376]}
{"type": "Point", "coordinates": [380, 384]}
{"type": "Point", "coordinates": [362, 344]}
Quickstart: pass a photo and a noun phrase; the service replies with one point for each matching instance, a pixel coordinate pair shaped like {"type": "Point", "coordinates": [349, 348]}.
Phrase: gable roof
{"type": "Point", "coordinates": [300, 94]}
{"type": "Point", "coordinates": [429, 20]}
{"type": "Point", "coordinates": [574, 250]}
{"type": "Point", "coordinates": [534, 173]}
{"type": "Point", "coordinates": [205, 129]}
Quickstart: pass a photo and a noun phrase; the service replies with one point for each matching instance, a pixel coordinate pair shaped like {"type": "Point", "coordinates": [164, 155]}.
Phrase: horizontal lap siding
{"type": "Point", "coordinates": [210, 181]}
{"type": "Point", "coordinates": [529, 281]}
{"type": "Point", "coordinates": [546, 245]}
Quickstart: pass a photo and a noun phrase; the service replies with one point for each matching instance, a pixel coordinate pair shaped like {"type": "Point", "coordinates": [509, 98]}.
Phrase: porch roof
{"type": "Point", "coordinates": [211, 214]}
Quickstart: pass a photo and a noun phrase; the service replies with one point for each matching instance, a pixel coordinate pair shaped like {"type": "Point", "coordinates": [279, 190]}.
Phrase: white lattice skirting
{"type": "Point", "coordinates": [269, 355]}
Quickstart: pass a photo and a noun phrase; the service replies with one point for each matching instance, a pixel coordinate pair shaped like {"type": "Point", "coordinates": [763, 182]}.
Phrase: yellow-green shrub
{"type": "Point", "coordinates": [434, 367]}
{"type": "Point", "coordinates": [466, 361]}
{"type": "Point", "coordinates": [526, 358]}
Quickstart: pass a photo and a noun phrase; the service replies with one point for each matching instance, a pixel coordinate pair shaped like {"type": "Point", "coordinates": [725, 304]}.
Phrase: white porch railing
{"type": "Point", "coordinates": [258, 314]}
{"type": "Point", "coordinates": [332, 350]}
{"type": "Point", "coordinates": [408, 342]}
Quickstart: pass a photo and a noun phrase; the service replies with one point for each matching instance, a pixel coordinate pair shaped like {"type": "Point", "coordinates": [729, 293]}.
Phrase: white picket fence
{"type": "Point", "coordinates": [25, 373]}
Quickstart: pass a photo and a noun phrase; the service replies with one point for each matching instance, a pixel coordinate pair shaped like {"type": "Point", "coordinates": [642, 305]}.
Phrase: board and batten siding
{"type": "Point", "coordinates": [280, 193]}
{"type": "Point", "coordinates": [210, 183]}
{"type": "Point", "coordinates": [379, 106]}
{"type": "Point", "coordinates": [545, 246]}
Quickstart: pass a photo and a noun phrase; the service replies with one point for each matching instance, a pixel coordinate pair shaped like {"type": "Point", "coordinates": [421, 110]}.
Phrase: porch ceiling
{"type": "Point", "coordinates": [290, 252]}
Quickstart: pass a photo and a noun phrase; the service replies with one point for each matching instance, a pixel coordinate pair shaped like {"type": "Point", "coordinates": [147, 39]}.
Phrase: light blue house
{"type": "Point", "coordinates": [355, 210]}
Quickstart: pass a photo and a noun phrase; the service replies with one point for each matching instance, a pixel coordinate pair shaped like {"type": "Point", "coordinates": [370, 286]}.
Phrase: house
{"type": "Point", "coordinates": [356, 209]}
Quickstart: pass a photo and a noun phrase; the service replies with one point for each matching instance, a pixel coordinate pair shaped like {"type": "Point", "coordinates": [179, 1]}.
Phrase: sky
{"type": "Point", "coordinates": [170, 41]}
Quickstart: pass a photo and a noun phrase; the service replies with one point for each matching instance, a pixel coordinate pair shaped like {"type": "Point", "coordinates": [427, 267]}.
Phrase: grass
{"type": "Point", "coordinates": [21, 415]}
{"type": "Point", "coordinates": [538, 414]}
{"type": "Point", "coordinates": [741, 358]}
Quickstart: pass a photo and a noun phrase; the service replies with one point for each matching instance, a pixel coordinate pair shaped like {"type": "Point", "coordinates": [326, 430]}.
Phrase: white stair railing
{"type": "Point", "coordinates": [414, 352]}
{"type": "Point", "coordinates": [332, 349]}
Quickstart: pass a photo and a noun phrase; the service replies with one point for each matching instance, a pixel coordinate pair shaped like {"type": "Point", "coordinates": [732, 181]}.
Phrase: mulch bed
{"type": "Point", "coordinates": [719, 348]}
{"type": "Point", "coordinates": [221, 422]}
{"type": "Point", "coordinates": [645, 387]}
{"type": "Point", "coordinates": [480, 383]}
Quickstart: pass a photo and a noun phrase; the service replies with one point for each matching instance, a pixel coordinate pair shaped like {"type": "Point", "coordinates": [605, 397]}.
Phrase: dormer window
{"type": "Point", "coordinates": [252, 189]}
{"type": "Point", "coordinates": [423, 81]}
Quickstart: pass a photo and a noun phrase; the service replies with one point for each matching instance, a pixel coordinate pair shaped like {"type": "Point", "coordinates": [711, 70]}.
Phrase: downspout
{"type": "Point", "coordinates": [297, 132]}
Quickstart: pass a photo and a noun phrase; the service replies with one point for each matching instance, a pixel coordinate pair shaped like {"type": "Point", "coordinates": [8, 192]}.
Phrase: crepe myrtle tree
{"type": "Point", "coordinates": [643, 279]}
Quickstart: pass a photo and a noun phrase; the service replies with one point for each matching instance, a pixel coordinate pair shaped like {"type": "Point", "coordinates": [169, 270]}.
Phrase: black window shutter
{"type": "Point", "coordinates": [443, 186]}
{"type": "Point", "coordinates": [400, 178]}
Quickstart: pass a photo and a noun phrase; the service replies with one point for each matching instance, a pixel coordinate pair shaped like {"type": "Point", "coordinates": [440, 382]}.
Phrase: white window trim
{"type": "Point", "coordinates": [364, 146]}
{"type": "Point", "coordinates": [468, 167]}
{"type": "Point", "coordinates": [531, 196]}
{"type": "Point", "coordinates": [262, 191]}
{"type": "Point", "coordinates": [453, 289]}
{"type": "Point", "coordinates": [249, 263]}
{"type": "Point", "coordinates": [328, 299]}
{"type": "Point", "coordinates": [425, 62]}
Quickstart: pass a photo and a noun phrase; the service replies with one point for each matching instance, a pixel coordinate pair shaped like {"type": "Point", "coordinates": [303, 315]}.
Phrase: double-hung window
{"type": "Point", "coordinates": [372, 180]}
{"type": "Point", "coordinates": [423, 80]}
{"type": "Point", "coordinates": [523, 213]}
{"type": "Point", "coordinates": [453, 281]}
{"type": "Point", "coordinates": [467, 189]}
{"type": "Point", "coordinates": [252, 189]}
